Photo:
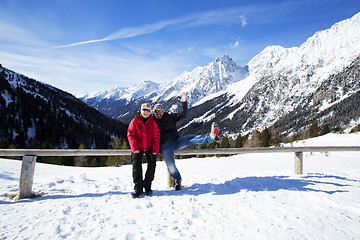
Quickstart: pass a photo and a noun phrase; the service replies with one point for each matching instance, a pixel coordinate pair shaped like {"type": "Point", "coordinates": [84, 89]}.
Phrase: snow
{"type": "Point", "coordinates": [119, 93]}
{"type": "Point", "coordinates": [325, 105]}
{"type": "Point", "coordinates": [7, 97]}
{"type": "Point", "coordinates": [249, 196]}
{"type": "Point", "coordinates": [304, 68]}
{"type": "Point", "coordinates": [198, 84]}
{"type": "Point", "coordinates": [332, 139]}
{"type": "Point", "coordinates": [31, 132]}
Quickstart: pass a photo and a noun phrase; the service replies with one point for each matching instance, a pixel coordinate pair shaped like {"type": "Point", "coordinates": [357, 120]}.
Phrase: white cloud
{"type": "Point", "coordinates": [236, 44]}
{"type": "Point", "coordinates": [243, 21]}
{"type": "Point", "coordinates": [79, 72]}
{"type": "Point", "coordinates": [220, 16]}
{"type": "Point", "coordinates": [99, 67]}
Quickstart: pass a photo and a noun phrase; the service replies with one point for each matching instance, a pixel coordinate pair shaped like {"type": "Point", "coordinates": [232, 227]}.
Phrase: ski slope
{"type": "Point", "coordinates": [249, 196]}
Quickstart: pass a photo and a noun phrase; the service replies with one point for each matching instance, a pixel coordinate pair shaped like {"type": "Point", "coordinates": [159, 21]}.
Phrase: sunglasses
{"type": "Point", "coordinates": [159, 111]}
{"type": "Point", "coordinates": [146, 110]}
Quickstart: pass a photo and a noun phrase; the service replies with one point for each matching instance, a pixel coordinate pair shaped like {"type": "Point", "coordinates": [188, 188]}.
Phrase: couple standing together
{"type": "Point", "coordinates": [153, 134]}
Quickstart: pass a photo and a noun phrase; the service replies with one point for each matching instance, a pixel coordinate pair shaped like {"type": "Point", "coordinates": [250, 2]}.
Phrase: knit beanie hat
{"type": "Point", "coordinates": [146, 106]}
{"type": "Point", "coordinates": [159, 107]}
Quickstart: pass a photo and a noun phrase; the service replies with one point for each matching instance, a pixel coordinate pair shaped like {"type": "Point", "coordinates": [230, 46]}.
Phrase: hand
{"type": "Point", "coordinates": [137, 151]}
{"type": "Point", "coordinates": [183, 97]}
{"type": "Point", "coordinates": [158, 157]}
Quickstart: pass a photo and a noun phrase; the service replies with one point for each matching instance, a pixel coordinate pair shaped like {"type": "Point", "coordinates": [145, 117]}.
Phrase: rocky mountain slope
{"type": "Point", "coordinates": [282, 87]}
{"type": "Point", "coordinates": [198, 84]}
{"type": "Point", "coordinates": [277, 85]}
{"type": "Point", "coordinates": [33, 113]}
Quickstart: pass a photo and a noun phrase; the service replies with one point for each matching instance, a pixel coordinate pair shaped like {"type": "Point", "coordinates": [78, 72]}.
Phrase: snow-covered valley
{"type": "Point", "coordinates": [248, 196]}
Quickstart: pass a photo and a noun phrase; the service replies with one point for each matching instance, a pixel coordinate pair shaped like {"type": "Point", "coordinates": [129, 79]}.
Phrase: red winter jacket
{"type": "Point", "coordinates": [144, 135]}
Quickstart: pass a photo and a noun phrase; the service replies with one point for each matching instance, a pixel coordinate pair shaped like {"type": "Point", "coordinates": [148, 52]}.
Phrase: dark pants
{"type": "Point", "coordinates": [136, 160]}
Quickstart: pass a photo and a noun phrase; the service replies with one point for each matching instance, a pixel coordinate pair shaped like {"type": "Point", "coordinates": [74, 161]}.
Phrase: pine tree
{"type": "Point", "coordinates": [239, 141]}
{"type": "Point", "coordinates": [275, 137]}
{"type": "Point", "coordinates": [213, 145]}
{"type": "Point", "coordinates": [255, 139]}
{"type": "Point", "coordinates": [116, 160]}
{"type": "Point", "coordinates": [277, 140]}
{"type": "Point", "coordinates": [81, 161]}
{"type": "Point", "coordinates": [225, 143]}
{"type": "Point", "coordinates": [94, 163]}
{"type": "Point", "coordinates": [356, 129]}
{"type": "Point", "coordinates": [33, 144]}
{"type": "Point", "coordinates": [325, 130]}
{"type": "Point", "coordinates": [265, 138]}
{"type": "Point", "coordinates": [4, 144]}
{"type": "Point", "coordinates": [314, 129]}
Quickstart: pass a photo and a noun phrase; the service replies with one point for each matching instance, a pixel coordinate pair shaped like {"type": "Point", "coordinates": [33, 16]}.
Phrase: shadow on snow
{"type": "Point", "coordinates": [272, 183]}
{"type": "Point", "coordinates": [311, 183]}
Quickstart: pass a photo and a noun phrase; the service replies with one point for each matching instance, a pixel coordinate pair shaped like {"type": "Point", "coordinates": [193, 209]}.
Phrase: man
{"type": "Point", "coordinates": [170, 140]}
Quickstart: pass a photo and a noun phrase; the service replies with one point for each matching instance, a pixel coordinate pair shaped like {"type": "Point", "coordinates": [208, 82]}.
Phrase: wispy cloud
{"type": "Point", "coordinates": [126, 32]}
{"type": "Point", "coordinates": [80, 70]}
{"type": "Point", "coordinates": [220, 16]}
{"type": "Point", "coordinates": [241, 15]}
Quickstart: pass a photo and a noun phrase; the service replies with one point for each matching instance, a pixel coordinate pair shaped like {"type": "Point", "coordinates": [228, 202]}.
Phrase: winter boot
{"type": "Point", "coordinates": [148, 191]}
{"type": "Point", "coordinates": [147, 187]}
{"type": "Point", "coordinates": [136, 193]}
{"type": "Point", "coordinates": [178, 184]}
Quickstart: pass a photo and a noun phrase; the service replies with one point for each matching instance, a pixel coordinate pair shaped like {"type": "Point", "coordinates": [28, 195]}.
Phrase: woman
{"type": "Point", "coordinates": [144, 138]}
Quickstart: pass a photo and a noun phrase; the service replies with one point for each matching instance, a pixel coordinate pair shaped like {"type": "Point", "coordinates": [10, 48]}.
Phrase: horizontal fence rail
{"type": "Point", "coordinates": [29, 158]}
{"type": "Point", "coordinates": [184, 152]}
{"type": "Point", "coordinates": [63, 152]}
{"type": "Point", "coordinates": [265, 150]}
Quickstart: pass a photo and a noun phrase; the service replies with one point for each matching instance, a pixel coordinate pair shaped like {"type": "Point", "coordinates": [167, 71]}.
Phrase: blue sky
{"type": "Point", "coordinates": [88, 46]}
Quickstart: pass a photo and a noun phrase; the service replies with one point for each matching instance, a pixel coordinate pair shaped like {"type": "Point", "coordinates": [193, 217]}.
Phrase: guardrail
{"type": "Point", "coordinates": [29, 158]}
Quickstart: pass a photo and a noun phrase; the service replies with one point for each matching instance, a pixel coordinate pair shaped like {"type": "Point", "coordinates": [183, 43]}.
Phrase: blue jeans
{"type": "Point", "coordinates": [167, 150]}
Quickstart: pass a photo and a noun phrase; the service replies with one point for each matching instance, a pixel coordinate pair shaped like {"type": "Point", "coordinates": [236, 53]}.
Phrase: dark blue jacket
{"type": "Point", "coordinates": [167, 124]}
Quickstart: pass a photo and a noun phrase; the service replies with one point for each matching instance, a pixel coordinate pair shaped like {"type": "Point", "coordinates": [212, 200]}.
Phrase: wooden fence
{"type": "Point", "coordinates": [29, 157]}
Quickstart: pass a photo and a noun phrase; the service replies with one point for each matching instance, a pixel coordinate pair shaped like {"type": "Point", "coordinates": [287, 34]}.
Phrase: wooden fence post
{"type": "Point", "coordinates": [170, 179]}
{"type": "Point", "coordinates": [298, 163]}
{"type": "Point", "coordinates": [26, 177]}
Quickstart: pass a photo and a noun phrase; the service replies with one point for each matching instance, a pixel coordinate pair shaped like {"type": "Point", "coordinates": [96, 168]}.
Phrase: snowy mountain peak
{"type": "Point", "coordinates": [226, 62]}
{"type": "Point", "coordinates": [286, 76]}
{"type": "Point", "coordinates": [267, 59]}
{"type": "Point", "coordinates": [108, 94]}
{"type": "Point", "coordinates": [144, 88]}
{"type": "Point", "coordinates": [203, 81]}
{"type": "Point", "coordinates": [197, 84]}
{"type": "Point", "coordinates": [118, 93]}
{"type": "Point", "coordinates": [273, 84]}
{"type": "Point", "coordinates": [322, 53]}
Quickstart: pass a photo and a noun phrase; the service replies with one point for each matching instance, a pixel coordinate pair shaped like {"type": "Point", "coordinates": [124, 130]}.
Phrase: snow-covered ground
{"type": "Point", "coordinates": [249, 196]}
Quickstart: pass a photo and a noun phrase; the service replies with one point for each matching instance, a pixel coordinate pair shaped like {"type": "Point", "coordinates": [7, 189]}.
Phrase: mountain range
{"type": "Point", "coordinates": [37, 115]}
{"type": "Point", "coordinates": [281, 88]}
{"type": "Point", "coordinates": [285, 89]}
{"type": "Point", "coordinates": [122, 103]}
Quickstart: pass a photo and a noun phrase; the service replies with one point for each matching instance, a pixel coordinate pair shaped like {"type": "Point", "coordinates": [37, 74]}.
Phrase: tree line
{"type": "Point", "coordinates": [38, 116]}
{"type": "Point", "coordinates": [35, 115]}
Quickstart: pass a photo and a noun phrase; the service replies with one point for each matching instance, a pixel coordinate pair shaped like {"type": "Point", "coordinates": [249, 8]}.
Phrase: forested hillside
{"type": "Point", "coordinates": [37, 115]}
